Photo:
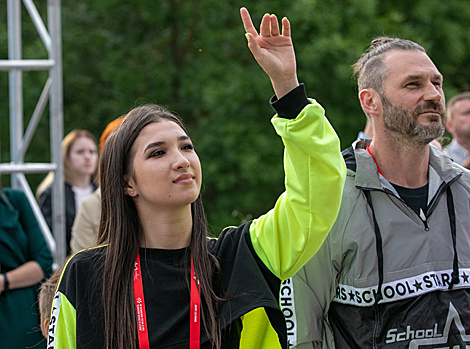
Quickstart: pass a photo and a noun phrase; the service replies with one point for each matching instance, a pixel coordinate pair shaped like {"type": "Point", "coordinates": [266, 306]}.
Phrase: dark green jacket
{"type": "Point", "coordinates": [21, 241]}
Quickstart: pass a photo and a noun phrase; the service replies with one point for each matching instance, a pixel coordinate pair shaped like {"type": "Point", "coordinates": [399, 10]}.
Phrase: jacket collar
{"type": "Point", "coordinates": [441, 170]}
{"type": "Point", "coordinates": [8, 214]}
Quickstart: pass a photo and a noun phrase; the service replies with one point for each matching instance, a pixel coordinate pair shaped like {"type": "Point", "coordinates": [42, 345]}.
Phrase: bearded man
{"type": "Point", "coordinates": [394, 270]}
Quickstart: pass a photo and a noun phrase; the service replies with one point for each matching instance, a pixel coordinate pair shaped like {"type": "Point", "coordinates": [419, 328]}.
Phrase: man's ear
{"type": "Point", "coordinates": [371, 102]}
{"type": "Point", "coordinates": [450, 126]}
{"type": "Point", "coordinates": [129, 186]}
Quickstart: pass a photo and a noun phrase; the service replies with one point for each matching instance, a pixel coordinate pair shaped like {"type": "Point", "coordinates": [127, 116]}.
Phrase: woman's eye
{"type": "Point", "coordinates": [188, 147]}
{"type": "Point", "coordinates": [157, 153]}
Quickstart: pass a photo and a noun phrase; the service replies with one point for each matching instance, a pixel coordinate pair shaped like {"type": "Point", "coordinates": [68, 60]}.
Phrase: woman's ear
{"type": "Point", "coordinates": [371, 102]}
{"type": "Point", "coordinates": [129, 186]}
{"type": "Point", "coordinates": [45, 327]}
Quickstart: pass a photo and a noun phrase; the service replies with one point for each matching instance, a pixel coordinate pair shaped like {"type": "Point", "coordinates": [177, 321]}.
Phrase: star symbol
{"type": "Point", "coordinates": [351, 295]}
{"type": "Point", "coordinates": [465, 277]}
{"type": "Point", "coordinates": [417, 285]}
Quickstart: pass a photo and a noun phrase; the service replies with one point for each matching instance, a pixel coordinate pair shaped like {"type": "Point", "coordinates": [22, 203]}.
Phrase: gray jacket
{"type": "Point", "coordinates": [409, 259]}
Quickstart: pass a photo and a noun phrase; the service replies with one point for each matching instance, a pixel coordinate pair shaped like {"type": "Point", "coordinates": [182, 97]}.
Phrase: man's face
{"type": "Point", "coordinates": [413, 100]}
{"type": "Point", "coordinates": [459, 123]}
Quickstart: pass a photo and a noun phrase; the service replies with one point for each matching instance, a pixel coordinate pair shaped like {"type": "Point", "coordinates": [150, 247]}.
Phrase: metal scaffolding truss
{"type": "Point", "coordinates": [52, 94]}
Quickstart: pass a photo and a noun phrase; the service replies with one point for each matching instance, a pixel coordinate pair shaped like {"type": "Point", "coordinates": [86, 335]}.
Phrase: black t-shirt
{"type": "Point", "coordinates": [416, 198]}
{"type": "Point", "coordinates": [244, 280]}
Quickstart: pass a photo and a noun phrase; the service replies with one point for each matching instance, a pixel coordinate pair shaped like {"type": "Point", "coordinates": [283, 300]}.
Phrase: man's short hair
{"type": "Point", "coordinates": [455, 99]}
{"type": "Point", "coordinates": [371, 69]}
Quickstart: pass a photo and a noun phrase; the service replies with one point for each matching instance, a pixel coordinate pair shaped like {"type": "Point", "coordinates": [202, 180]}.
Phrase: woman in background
{"type": "Point", "coordinates": [87, 221]}
{"type": "Point", "coordinates": [24, 261]}
{"type": "Point", "coordinates": [80, 164]}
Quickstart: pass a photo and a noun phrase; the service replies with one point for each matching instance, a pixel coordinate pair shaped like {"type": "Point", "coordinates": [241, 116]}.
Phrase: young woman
{"type": "Point", "coordinates": [80, 164]}
{"type": "Point", "coordinates": [157, 281]}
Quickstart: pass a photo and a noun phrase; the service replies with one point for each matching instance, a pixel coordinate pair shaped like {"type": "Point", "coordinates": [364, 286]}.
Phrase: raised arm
{"type": "Point", "coordinates": [292, 232]}
{"type": "Point", "coordinates": [273, 51]}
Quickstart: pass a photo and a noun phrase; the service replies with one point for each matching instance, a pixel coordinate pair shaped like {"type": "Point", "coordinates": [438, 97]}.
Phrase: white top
{"type": "Point", "coordinates": [456, 152]}
{"type": "Point", "coordinates": [81, 194]}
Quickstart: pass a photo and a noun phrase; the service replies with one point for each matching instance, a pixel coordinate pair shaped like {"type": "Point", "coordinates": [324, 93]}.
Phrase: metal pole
{"type": "Point", "coordinates": [25, 64]}
{"type": "Point", "coordinates": [37, 213]}
{"type": "Point", "coordinates": [38, 23]}
{"type": "Point", "coordinates": [57, 130]}
{"type": "Point", "coordinates": [52, 91]}
{"type": "Point", "coordinates": [33, 123]}
{"type": "Point", "coordinates": [15, 82]}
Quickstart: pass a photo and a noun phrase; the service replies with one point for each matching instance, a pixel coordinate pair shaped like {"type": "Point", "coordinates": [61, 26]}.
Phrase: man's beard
{"type": "Point", "coordinates": [404, 122]}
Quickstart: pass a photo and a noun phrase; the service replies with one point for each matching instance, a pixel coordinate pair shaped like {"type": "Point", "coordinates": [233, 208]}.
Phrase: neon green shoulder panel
{"type": "Point", "coordinates": [257, 331]}
{"type": "Point", "coordinates": [62, 325]}
{"type": "Point", "coordinates": [290, 234]}
{"type": "Point", "coordinates": [63, 320]}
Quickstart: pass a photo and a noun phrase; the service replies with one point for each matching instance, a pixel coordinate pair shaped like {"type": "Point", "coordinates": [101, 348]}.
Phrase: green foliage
{"type": "Point", "coordinates": [191, 56]}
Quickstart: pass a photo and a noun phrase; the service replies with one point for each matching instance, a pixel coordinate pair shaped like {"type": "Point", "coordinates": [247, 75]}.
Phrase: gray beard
{"type": "Point", "coordinates": [403, 123]}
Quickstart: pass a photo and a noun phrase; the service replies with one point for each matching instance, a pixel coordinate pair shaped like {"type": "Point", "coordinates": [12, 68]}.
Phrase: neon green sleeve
{"type": "Point", "coordinates": [62, 325]}
{"type": "Point", "coordinates": [290, 234]}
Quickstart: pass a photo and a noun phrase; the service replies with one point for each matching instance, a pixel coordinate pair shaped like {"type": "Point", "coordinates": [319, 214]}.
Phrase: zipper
{"type": "Point", "coordinates": [433, 204]}
{"type": "Point", "coordinates": [429, 209]}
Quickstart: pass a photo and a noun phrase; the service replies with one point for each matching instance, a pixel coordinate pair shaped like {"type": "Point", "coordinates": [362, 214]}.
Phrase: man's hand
{"type": "Point", "coordinates": [273, 51]}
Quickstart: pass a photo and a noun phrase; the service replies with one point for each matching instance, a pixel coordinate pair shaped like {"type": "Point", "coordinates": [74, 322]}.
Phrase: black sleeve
{"type": "Point", "coordinates": [291, 104]}
{"type": "Point", "coordinates": [45, 203]}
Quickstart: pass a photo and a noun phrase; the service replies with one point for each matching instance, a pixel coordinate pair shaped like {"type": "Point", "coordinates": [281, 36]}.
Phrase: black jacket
{"type": "Point", "coordinates": [45, 203]}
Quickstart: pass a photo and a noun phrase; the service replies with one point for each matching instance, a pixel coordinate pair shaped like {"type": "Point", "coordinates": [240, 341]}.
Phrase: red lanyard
{"type": "Point", "coordinates": [195, 310]}
{"type": "Point", "coordinates": [378, 168]}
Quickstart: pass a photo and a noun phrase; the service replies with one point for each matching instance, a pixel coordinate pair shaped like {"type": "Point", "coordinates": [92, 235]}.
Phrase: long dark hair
{"type": "Point", "coordinates": [120, 228]}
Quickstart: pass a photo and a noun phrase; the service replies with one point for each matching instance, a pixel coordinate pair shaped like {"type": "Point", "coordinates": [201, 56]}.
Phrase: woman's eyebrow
{"type": "Point", "coordinates": [153, 145]}
{"type": "Point", "coordinates": [160, 143]}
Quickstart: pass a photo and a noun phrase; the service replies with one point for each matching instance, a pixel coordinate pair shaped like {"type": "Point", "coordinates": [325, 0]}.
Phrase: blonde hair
{"type": "Point", "coordinates": [46, 296]}
{"type": "Point", "coordinates": [69, 173]}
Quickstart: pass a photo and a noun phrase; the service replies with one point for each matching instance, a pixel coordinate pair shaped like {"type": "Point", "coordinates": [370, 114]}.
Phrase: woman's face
{"type": "Point", "coordinates": [166, 169]}
{"type": "Point", "coordinates": [83, 156]}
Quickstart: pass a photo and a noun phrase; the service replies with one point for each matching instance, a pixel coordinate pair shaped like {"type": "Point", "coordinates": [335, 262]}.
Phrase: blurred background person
{"type": "Point", "coordinates": [80, 163]}
{"type": "Point", "coordinates": [24, 261]}
{"type": "Point", "coordinates": [367, 133]}
{"type": "Point", "coordinates": [87, 221]}
{"type": "Point", "coordinates": [46, 296]}
{"type": "Point", "coordinates": [458, 125]}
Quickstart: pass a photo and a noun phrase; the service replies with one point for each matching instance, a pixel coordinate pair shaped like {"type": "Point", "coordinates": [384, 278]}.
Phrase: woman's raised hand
{"type": "Point", "coordinates": [273, 51]}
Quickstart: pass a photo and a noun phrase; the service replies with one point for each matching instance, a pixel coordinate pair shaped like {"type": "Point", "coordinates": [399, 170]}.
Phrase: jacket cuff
{"type": "Point", "coordinates": [291, 104]}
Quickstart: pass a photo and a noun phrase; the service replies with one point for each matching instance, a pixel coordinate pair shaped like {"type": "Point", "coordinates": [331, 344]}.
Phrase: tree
{"type": "Point", "coordinates": [191, 56]}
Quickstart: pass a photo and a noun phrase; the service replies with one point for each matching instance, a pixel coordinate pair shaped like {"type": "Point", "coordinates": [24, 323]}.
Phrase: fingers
{"type": "Point", "coordinates": [254, 48]}
{"type": "Point", "coordinates": [265, 27]}
{"type": "Point", "coordinates": [286, 27]}
{"type": "Point", "coordinates": [269, 25]}
{"type": "Point", "coordinates": [247, 23]}
{"type": "Point", "coordinates": [274, 25]}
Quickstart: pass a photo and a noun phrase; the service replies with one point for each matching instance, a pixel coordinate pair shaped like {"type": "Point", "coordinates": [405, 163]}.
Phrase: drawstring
{"type": "Point", "coordinates": [380, 262]}
{"type": "Point", "coordinates": [378, 242]}
{"type": "Point", "coordinates": [378, 246]}
{"type": "Point", "coordinates": [380, 258]}
{"type": "Point", "coordinates": [453, 230]}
